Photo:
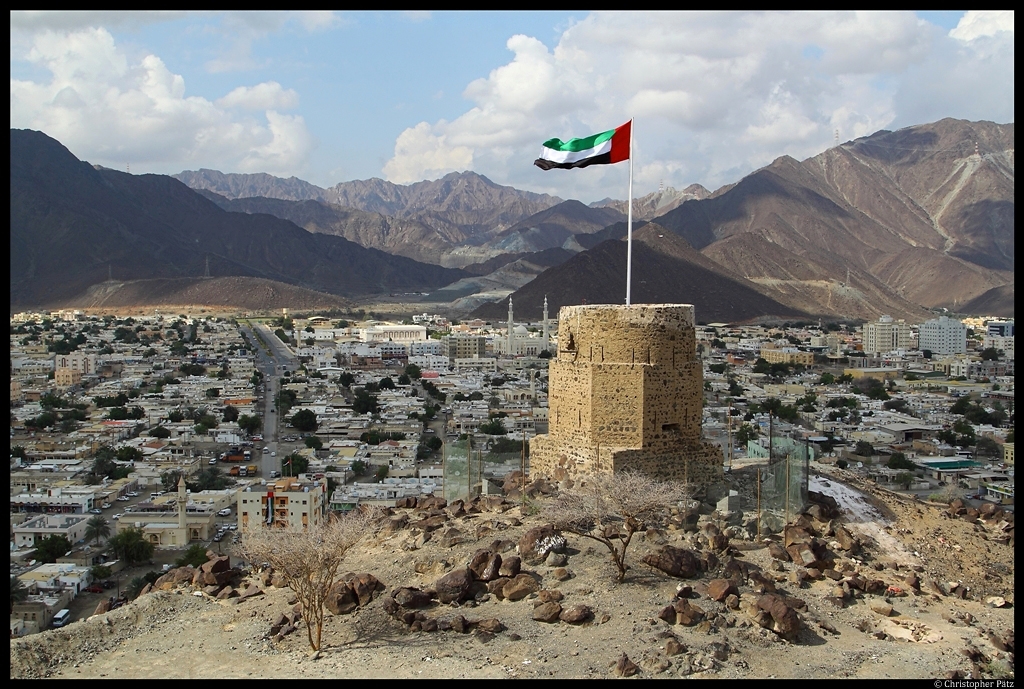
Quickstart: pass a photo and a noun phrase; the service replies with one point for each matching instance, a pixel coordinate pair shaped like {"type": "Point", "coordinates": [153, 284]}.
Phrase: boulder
{"type": "Point", "coordinates": [340, 599]}
{"type": "Point", "coordinates": [556, 559]}
{"type": "Point", "coordinates": [687, 614]}
{"type": "Point", "coordinates": [718, 589]}
{"type": "Point", "coordinates": [802, 554]}
{"type": "Point", "coordinates": [495, 587]}
{"type": "Point", "coordinates": [365, 586]}
{"type": "Point", "coordinates": [577, 614]}
{"type": "Point", "coordinates": [536, 543]}
{"type": "Point", "coordinates": [520, 587]}
{"type": "Point", "coordinates": [676, 562]}
{"type": "Point", "coordinates": [624, 667]}
{"type": "Point", "coordinates": [102, 607]}
{"type": "Point", "coordinates": [549, 595]}
{"type": "Point", "coordinates": [491, 626]}
{"type": "Point", "coordinates": [881, 608]}
{"type": "Point", "coordinates": [227, 592]}
{"type": "Point", "coordinates": [451, 537]}
{"type": "Point", "coordinates": [454, 586]}
{"type": "Point", "coordinates": [250, 591]}
{"type": "Point", "coordinates": [459, 624]}
{"type": "Point", "coordinates": [778, 552]}
{"type": "Point", "coordinates": [547, 612]}
{"type": "Point", "coordinates": [510, 566]}
{"type": "Point", "coordinates": [674, 647]}
{"type": "Point", "coordinates": [485, 565]}
{"type": "Point", "coordinates": [429, 524]}
{"type": "Point", "coordinates": [845, 539]}
{"type": "Point", "coordinates": [278, 581]}
{"type": "Point", "coordinates": [409, 597]}
{"type": "Point", "coordinates": [561, 574]}
{"type": "Point", "coordinates": [217, 564]}
{"type": "Point", "coordinates": [786, 622]}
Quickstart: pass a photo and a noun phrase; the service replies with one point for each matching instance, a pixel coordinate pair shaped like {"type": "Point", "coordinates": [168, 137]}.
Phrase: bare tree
{"type": "Point", "coordinates": [610, 508]}
{"type": "Point", "coordinates": [309, 560]}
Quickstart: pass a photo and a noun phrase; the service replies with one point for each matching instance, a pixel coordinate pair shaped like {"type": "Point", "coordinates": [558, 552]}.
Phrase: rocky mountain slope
{"type": "Point", "coordinates": [73, 226]}
{"type": "Point", "coordinates": [562, 615]}
{"type": "Point", "coordinates": [463, 207]}
{"type": "Point", "coordinates": [666, 269]}
{"type": "Point", "coordinates": [656, 203]}
{"type": "Point", "coordinates": [235, 293]}
{"type": "Point", "coordinates": [917, 209]}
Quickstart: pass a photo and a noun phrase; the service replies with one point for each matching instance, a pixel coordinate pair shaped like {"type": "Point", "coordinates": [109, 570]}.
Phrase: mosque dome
{"type": "Point", "coordinates": [520, 330]}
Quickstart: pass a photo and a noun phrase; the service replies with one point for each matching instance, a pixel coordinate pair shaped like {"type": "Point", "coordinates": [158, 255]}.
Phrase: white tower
{"type": "Point", "coordinates": [547, 341]}
{"type": "Point", "coordinates": [510, 333]}
{"type": "Point", "coordinates": [182, 502]}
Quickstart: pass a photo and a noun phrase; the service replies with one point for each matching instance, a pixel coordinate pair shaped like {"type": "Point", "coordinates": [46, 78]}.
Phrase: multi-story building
{"type": "Point", "coordinates": [999, 328]}
{"type": "Point", "coordinates": [465, 347]}
{"type": "Point", "coordinates": [288, 503]}
{"type": "Point", "coordinates": [77, 361]}
{"type": "Point", "coordinates": [943, 335]}
{"type": "Point", "coordinates": [885, 335]}
{"type": "Point", "coordinates": [787, 355]}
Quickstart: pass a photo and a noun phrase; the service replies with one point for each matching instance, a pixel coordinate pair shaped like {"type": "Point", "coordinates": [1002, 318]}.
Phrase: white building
{"type": "Point", "coordinates": [384, 332]}
{"type": "Point", "coordinates": [943, 335]}
{"type": "Point", "coordinates": [288, 503]}
{"type": "Point", "coordinates": [885, 335]}
{"type": "Point", "coordinates": [519, 341]}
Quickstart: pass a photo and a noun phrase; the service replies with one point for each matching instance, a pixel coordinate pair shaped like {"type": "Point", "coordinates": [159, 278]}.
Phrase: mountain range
{"type": "Point", "coordinates": [895, 223]}
{"type": "Point", "coordinates": [73, 226]}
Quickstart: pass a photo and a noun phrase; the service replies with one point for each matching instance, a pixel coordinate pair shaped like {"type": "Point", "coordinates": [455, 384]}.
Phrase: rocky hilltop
{"type": "Point", "coordinates": [864, 584]}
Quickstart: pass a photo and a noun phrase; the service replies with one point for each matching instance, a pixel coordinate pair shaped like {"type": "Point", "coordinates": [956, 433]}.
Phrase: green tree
{"type": "Point", "coordinates": [386, 384]}
{"type": "Point", "coordinates": [305, 421]}
{"type": "Point", "coordinates": [96, 527]}
{"type": "Point", "coordinates": [364, 402]}
{"type": "Point", "coordinates": [988, 448]}
{"type": "Point", "coordinates": [413, 371]}
{"type": "Point", "coordinates": [169, 480]}
{"type": "Point", "coordinates": [898, 460]}
{"type": "Point", "coordinates": [381, 473]}
{"type": "Point", "coordinates": [195, 556]}
{"type": "Point", "coordinates": [230, 414]}
{"type": "Point", "coordinates": [745, 434]}
{"type": "Point", "coordinates": [19, 591]}
{"type": "Point", "coordinates": [827, 379]}
{"type": "Point", "coordinates": [294, 464]}
{"type": "Point", "coordinates": [989, 354]}
{"type": "Point", "coordinates": [314, 442]}
{"type": "Point", "coordinates": [904, 479]}
{"type": "Point", "coordinates": [134, 588]}
{"type": "Point", "coordinates": [359, 467]}
{"type": "Point", "coordinates": [493, 427]}
{"type": "Point", "coordinates": [49, 548]}
{"type": "Point", "coordinates": [717, 368]}
{"type": "Point", "coordinates": [345, 379]}
{"type": "Point", "coordinates": [761, 366]}
{"type": "Point", "coordinates": [864, 449]}
{"type": "Point", "coordinates": [131, 546]}
{"type": "Point", "coordinates": [159, 432]}
{"type": "Point", "coordinates": [249, 424]}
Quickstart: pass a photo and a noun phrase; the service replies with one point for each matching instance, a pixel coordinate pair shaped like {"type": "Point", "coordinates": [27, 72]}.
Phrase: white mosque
{"type": "Point", "coordinates": [519, 341]}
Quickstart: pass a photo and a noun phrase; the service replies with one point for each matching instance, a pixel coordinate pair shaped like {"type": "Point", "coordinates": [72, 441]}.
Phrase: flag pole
{"type": "Point", "coordinates": [629, 226]}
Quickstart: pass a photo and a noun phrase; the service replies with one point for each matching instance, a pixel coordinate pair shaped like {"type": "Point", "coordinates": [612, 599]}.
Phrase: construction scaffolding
{"type": "Point", "coordinates": [469, 464]}
{"type": "Point", "coordinates": [782, 484]}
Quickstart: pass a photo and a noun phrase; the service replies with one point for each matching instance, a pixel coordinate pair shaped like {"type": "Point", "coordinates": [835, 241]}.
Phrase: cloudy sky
{"type": "Point", "coordinates": [330, 97]}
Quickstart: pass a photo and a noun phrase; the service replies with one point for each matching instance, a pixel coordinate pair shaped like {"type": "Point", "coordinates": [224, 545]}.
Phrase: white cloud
{"type": "Point", "coordinates": [111, 110]}
{"type": "Point", "coordinates": [43, 20]}
{"type": "Point", "coordinates": [266, 96]}
{"type": "Point", "coordinates": [978, 23]}
{"type": "Point", "coordinates": [715, 95]}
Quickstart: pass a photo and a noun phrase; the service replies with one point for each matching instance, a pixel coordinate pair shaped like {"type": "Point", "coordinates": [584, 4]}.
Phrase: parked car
{"type": "Point", "coordinates": [123, 498]}
{"type": "Point", "coordinates": [218, 538]}
{"type": "Point", "coordinates": [95, 511]}
{"type": "Point", "coordinates": [213, 460]}
{"type": "Point", "coordinates": [133, 495]}
{"type": "Point", "coordinates": [95, 588]}
{"type": "Point", "coordinates": [225, 512]}
{"type": "Point", "coordinates": [116, 516]}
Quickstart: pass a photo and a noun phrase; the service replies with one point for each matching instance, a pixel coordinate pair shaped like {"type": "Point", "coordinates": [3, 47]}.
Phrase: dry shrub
{"type": "Point", "coordinates": [610, 508]}
{"type": "Point", "coordinates": [310, 560]}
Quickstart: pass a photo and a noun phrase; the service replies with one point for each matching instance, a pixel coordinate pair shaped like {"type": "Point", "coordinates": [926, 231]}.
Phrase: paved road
{"type": "Point", "coordinates": [268, 364]}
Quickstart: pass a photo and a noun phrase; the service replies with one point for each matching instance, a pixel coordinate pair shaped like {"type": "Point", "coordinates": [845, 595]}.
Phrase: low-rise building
{"type": "Point", "coordinates": [28, 533]}
{"type": "Point", "coordinates": [288, 503]}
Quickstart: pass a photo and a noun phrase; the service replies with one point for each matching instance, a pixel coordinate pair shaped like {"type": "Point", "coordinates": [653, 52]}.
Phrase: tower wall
{"type": "Point", "coordinates": [625, 392]}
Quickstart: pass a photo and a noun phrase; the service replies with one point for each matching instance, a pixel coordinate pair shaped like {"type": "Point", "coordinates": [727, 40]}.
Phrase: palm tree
{"type": "Point", "coordinates": [96, 528]}
{"type": "Point", "coordinates": [132, 546]}
{"type": "Point", "coordinates": [19, 591]}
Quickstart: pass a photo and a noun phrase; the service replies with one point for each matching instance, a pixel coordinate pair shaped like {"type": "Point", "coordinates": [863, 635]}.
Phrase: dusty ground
{"type": "Point", "coordinates": [176, 634]}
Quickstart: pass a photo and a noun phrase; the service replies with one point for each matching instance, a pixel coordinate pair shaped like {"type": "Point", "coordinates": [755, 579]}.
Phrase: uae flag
{"type": "Point", "coordinates": [605, 148]}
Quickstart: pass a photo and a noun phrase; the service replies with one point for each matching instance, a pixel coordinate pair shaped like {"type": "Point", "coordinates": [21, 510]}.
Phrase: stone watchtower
{"type": "Point", "coordinates": [625, 392]}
